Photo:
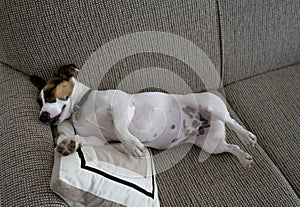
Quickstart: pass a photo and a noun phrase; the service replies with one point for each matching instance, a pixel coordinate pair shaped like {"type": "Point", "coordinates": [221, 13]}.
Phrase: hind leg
{"type": "Point", "coordinates": [214, 135]}
{"type": "Point", "coordinates": [245, 159]}
{"type": "Point", "coordinates": [245, 136]}
{"type": "Point", "coordinates": [214, 142]}
{"type": "Point", "coordinates": [218, 110]}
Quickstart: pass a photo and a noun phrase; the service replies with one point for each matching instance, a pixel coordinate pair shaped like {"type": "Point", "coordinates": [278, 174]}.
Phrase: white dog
{"type": "Point", "coordinates": [152, 119]}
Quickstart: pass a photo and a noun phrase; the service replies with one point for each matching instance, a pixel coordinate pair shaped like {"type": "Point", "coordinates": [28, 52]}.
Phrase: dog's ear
{"type": "Point", "coordinates": [38, 82]}
{"type": "Point", "coordinates": [66, 71]}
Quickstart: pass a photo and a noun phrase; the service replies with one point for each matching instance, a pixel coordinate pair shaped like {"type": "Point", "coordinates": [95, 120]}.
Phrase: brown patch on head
{"type": "Point", "coordinates": [64, 90]}
{"type": "Point", "coordinates": [63, 75]}
{"type": "Point", "coordinates": [58, 88]}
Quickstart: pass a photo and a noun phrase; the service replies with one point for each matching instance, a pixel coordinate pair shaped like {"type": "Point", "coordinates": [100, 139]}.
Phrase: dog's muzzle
{"type": "Point", "coordinates": [46, 117]}
{"type": "Point", "coordinates": [51, 112]}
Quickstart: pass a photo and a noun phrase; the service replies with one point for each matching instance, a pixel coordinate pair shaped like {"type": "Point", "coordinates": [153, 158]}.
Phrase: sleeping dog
{"type": "Point", "coordinates": [151, 119]}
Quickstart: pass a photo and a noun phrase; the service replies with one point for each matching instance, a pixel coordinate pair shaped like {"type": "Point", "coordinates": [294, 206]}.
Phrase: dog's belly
{"type": "Point", "coordinates": [155, 124]}
{"type": "Point", "coordinates": [158, 120]}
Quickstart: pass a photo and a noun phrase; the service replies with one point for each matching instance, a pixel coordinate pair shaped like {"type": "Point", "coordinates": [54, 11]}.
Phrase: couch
{"type": "Point", "coordinates": [248, 51]}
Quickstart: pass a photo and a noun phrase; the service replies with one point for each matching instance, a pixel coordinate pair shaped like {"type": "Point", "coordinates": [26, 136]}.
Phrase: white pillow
{"type": "Point", "coordinates": [105, 176]}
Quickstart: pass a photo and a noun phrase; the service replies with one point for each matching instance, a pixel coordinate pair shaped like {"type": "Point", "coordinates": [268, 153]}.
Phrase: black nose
{"type": "Point", "coordinates": [45, 117]}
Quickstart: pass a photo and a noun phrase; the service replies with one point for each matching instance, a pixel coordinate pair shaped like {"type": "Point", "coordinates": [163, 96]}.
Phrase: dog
{"type": "Point", "coordinates": [150, 119]}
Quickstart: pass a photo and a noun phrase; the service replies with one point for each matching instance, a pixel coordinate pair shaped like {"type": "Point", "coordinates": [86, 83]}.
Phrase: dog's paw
{"type": "Point", "coordinates": [249, 138]}
{"type": "Point", "coordinates": [68, 146]}
{"type": "Point", "coordinates": [136, 149]}
{"type": "Point", "coordinates": [247, 161]}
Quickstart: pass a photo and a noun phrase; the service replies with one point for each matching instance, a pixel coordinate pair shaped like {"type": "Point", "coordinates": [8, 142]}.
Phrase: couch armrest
{"type": "Point", "coordinates": [26, 146]}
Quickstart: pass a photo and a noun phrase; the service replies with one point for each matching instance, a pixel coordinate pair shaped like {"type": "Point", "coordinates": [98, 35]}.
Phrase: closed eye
{"type": "Point", "coordinates": [63, 98]}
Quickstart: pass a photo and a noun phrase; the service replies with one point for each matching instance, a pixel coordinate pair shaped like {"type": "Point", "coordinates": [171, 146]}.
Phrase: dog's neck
{"type": "Point", "coordinates": [78, 92]}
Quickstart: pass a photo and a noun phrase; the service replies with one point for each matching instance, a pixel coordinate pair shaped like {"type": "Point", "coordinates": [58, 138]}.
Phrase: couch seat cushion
{"type": "Point", "coordinates": [269, 105]}
{"type": "Point", "coordinates": [220, 180]}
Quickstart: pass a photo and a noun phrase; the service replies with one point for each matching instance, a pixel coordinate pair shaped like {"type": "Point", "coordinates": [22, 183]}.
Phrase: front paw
{"type": "Point", "coordinates": [136, 149]}
{"type": "Point", "coordinates": [68, 146]}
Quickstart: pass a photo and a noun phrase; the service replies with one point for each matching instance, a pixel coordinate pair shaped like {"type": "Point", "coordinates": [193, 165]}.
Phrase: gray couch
{"type": "Point", "coordinates": [254, 46]}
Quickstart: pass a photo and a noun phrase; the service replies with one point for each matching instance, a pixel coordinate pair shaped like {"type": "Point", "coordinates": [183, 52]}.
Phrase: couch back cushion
{"type": "Point", "coordinates": [36, 37]}
{"type": "Point", "coordinates": [258, 36]}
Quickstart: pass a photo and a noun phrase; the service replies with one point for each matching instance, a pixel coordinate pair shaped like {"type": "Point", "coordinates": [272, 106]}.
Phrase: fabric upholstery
{"type": "Point", "coordinates": [26, 145]}
{"type": "Point", "coordinates": [269, 105]}
{"type": "Point", "coordinates": [36, 37]}
{"type": "Point", "coordinates": [242, 39]}
{"type": "Point", "coordinates": [221, 180]}
{"type": "Point", "coordinates": [258, 36]}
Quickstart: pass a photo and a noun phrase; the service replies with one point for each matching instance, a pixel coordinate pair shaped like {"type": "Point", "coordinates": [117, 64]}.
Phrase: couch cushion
{"type": "Point", "coordinates": [27, 159]}
{"type": "Point", "coordinates": [258, 36]}
{"type": "Point", "coordinates": [36, 37]}
{"type": "Point", "coordinates": [269, 104]}
{"type": "Point", "coordinates": [220, 180]}
{"type": "Point", "coordinates": [26, 145]}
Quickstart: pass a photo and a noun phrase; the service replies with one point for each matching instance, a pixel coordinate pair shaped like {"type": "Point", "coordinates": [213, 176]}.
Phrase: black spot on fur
{"type": "Point", "coordinates": [184, 123]}
{"type": "Point", "coordinates": [189, 111]}
{"type": "Point", "coordinates": [174, 140]}
{"type": "Point", "coordinates": [201, 129]}
{"type": "Point", "coordinates": [195, 123]}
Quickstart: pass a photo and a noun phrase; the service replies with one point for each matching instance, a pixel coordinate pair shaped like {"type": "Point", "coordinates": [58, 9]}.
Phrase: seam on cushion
{"type": "Point", "coordinates": [259, 148]}
{"type": "Point", "coordinates": [221, 42]}
{"type": "Point", "coordinates": [5, 64]}
{"type": "Point", "coordinates": [276, 69]}
{"type": "Point", "coordinates": [222, 53]}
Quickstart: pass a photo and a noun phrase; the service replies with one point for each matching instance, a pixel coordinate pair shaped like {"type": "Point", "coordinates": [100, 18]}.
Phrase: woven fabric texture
{"type": "Point", "coordinates": [221, 180]}
{"type": "Point", "coordinates": [218, 181]}
{"type": "Point", "coordinates": [269, 104]}
{"type": "Point", "coordinates": [37, 37]}
{"type": "Point", "coordinates": [241, 39]}
{"type": "Point", "coordinates": [26, 145]}
{"type": "Point", "coordinates": [258, 36]}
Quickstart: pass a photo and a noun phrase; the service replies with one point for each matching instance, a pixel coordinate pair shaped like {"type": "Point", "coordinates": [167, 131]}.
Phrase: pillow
{"type": "Point", "coordinates": [105, 176]}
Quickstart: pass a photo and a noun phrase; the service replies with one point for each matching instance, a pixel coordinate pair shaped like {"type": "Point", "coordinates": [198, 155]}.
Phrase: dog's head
{"type": "Point", "coordinates": [55, 95]}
